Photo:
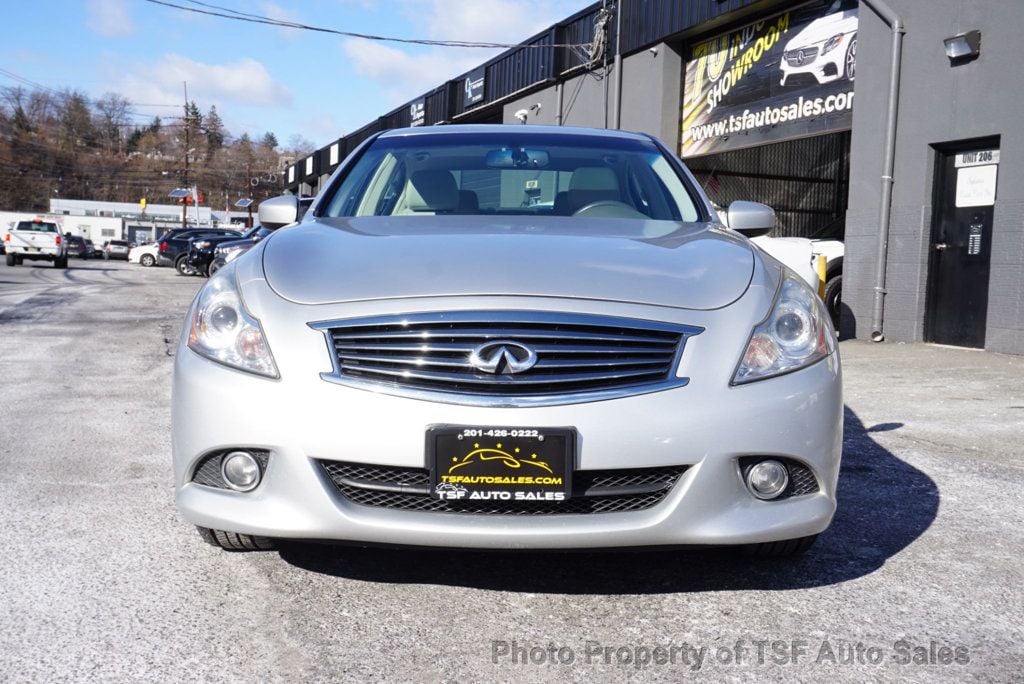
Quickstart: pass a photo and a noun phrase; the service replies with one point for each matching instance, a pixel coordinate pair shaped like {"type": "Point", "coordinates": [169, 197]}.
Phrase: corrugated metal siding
{"type": "Point", "coordinates": [321, 164]}
{"type": "Point", "coordinates": [397, 118]}
{"type": "Point", "coordinates": [439, 102]}
{"type": "Point", "coordinates": [521, 68]}
{"type": "Point", "coordinates": [645, 22]}
{"type": "Point", "coordinates": [578, 31]}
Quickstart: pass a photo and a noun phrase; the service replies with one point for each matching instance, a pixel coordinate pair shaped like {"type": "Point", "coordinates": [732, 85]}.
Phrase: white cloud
{"type": "Point", "coordinates": [321, 127]}
{"type": "Point", "coordinates": [278, 13]}
{"type": "Point", "coordinates": [109, 18]}
{"type": "Point", "coordinates": [245, 81]}
{"type": "Point", "coordinates": [402, 74]}
{"type": "Point", "coordinates": [405, 71]}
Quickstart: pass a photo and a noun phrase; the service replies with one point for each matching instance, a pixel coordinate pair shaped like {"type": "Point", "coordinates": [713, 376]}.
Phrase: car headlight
{"type": "Point", "coordinates": [232, 254]}
{"type": "Point", "coordinates": [202, 244]}
{"type": "Point", "coordinates": [796, 333]}
{"type": "Point", "coordinates": [223, 331]}
{"type": "Point", "coordinates": [832, 43]}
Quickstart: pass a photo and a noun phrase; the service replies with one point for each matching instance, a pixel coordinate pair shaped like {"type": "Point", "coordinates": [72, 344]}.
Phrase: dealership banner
{"type": "Point", "coordinates": [785, 77]}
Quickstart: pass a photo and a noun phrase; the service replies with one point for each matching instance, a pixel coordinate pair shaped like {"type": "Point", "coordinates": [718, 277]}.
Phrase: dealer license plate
{"type": "Point", "coordinates": [471, 463]}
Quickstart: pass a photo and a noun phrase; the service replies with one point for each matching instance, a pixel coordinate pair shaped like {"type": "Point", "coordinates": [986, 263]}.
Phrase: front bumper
{"type": "Point", "coordinates": [706, 425]}
{"type": "Point", "coordinates": [825, 68]}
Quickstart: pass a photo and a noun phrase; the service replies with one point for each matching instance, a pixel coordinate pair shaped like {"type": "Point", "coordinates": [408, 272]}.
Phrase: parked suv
{"type": "Point", "coordinates": [205, 252]}
{"type": "Point", "coordinates": [116, 249]}
{"type": "Point", "coordinates": [174, 245]}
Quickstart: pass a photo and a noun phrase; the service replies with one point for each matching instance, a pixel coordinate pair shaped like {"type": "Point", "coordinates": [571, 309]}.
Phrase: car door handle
{"type": "Point", "coordinates": [942, 246]}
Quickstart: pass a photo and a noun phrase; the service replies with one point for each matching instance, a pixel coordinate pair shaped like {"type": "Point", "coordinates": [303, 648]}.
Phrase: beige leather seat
{"type": "Point", "coordinates": [430, 192]}
{"type": "Point", "coordinates": [588, 184]}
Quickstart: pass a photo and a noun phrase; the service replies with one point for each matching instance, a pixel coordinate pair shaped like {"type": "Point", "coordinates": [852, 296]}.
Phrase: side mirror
{"type": "Point", "coordinates": [279, 211]}
{"type": "Point", "coordinates": [751, 218]}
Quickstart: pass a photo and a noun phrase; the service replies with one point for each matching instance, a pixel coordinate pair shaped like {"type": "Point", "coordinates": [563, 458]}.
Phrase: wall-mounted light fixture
{"type": "Point", "coordinates": [963, 47]}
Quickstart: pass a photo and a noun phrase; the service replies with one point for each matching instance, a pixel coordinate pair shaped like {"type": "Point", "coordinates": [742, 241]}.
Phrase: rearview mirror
{"type": "Point", "coordinates": [516, 158]}
{"type": "Point", "coordinates": [751, 218]}
{"type": "Point", "coordinates": [279, 211]}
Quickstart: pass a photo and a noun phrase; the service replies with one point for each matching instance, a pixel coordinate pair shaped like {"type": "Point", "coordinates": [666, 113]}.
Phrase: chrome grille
{"type": "Point", "coordinates": [594, 491]}
{"type": "Point", "coordinates": [578, 357]}
{"type": "Point", "coordinates": [802, 57]}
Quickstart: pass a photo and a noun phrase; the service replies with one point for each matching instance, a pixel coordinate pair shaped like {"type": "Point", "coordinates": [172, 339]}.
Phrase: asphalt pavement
{"type": "Point", "coordinates": [918, 579]}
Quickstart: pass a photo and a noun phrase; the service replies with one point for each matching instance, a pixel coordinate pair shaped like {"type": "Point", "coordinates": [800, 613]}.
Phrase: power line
{"type": "Point", "coordinates": [228, 13]}
{"type": "Point", "coordinates": [39, 86]}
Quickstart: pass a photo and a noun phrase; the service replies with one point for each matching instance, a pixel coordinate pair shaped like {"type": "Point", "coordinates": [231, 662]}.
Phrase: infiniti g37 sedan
{"type": "Point", "coordinates": [508, 337]}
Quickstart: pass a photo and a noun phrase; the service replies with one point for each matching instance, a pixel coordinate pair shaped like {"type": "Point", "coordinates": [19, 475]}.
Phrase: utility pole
{"type": "Point", "coordinates": [184, 200]}
{"type": "Point", "coordinates": [248, 174]}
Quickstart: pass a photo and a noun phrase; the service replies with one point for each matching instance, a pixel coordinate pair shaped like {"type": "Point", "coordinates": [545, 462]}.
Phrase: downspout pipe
{"type": "Point", "coordinates": [617, 106]}
{"type": "Point", "coordinates": [889, 16]}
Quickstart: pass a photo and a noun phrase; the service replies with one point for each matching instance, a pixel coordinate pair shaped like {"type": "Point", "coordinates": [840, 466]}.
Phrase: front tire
{"type": "Point", "coordinates": [780, 549]}
{"type": "Point", "coordinates": [182, 268]}
{"type": "Point", "coordinates": [233, 541]}
{"type": "Point", "coordinates": [833, 298]}
{"type": "Point", "coordinates": [147, 260]}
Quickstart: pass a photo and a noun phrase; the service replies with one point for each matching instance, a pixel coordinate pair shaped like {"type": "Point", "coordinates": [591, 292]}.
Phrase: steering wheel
{"type": "Point", "coordinates": [609, 209]}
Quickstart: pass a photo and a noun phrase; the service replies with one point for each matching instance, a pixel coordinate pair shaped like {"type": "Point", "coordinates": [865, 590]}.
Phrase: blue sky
{"type": "Point", "coordinates": [260, 77]}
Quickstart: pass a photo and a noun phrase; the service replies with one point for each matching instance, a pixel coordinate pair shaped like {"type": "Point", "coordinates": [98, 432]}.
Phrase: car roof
{"type": "Point", "coordinates": [512, 129]}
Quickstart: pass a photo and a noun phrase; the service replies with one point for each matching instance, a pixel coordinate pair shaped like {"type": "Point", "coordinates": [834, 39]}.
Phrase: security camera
{"type": "Point", "coordinates": [653, 51]}
{"type": "Point", "coordinates": [521, 115]}
{"type": "Point", "coordinates": [535, 108]}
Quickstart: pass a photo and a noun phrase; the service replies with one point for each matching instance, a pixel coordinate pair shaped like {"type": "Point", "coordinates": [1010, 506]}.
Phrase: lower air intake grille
{"type": "Point", "coordinates": [594, 491]}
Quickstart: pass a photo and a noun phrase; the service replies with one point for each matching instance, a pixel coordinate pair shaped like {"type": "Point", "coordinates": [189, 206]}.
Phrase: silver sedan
{"type": "Point", "coordinates": [509, 337]}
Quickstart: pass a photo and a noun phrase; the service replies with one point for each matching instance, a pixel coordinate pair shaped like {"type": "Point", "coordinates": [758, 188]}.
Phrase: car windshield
{"type": "Point", "coordinates": [513, 174]}
{"type": "Point", "coordinates": [38, 226]}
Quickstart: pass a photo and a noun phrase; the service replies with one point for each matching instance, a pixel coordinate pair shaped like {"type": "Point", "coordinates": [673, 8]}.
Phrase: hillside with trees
{"type": "Point", "coordinates": [62, 144]}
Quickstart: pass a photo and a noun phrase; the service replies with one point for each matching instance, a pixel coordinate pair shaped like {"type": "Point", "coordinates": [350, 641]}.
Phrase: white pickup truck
{"type": "Point", "coordinates": [36, 240]}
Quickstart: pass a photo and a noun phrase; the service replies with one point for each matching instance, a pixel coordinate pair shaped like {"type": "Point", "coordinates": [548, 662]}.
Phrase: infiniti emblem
{"type": "Point", "coordinates": [503, 357]}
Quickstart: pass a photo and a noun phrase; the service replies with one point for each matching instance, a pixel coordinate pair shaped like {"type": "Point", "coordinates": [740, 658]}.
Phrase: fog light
{"type": "Point", "coordinates": [241, 471]}
{"type": "Point", "coordinates": [767, 479]}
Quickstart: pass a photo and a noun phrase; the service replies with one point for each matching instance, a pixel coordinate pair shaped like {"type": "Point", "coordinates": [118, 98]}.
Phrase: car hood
{"type": "Point", "coordinates": [824, 28]}
{"type": "Point", "coordinates": [693, 266]}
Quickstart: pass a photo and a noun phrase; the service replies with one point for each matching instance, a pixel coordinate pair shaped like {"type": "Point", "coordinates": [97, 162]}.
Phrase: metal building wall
{"type": "Point", "coordinates": [939, 103]}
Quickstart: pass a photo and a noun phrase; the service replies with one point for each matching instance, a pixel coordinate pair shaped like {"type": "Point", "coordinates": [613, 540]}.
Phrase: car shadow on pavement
{"type": "Point", "coordinates": [884, 505]}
